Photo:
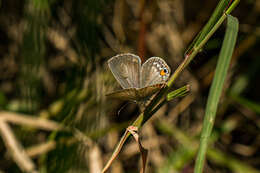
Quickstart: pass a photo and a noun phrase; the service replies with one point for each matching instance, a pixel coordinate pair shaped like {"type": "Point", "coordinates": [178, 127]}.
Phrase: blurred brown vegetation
{"type": "Point", "coordinates": [53, 80]}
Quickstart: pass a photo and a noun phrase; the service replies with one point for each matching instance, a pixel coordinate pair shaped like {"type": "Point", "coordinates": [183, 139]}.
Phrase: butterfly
{"type": "Point", "coordinates": [139, 81]}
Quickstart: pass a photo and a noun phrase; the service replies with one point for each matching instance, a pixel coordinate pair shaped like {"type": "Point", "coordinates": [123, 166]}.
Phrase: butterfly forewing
{"type": "Point", "coordinates": [126, 69]}
{"type": "Point", "coordinates": [154, 71]}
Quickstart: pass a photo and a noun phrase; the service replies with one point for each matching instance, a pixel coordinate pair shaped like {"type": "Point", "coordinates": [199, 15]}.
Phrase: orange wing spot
{"type": "Point", "coordinates": [162, 72]}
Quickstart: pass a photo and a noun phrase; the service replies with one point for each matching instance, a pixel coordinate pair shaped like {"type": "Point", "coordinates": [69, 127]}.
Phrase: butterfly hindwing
{"type": "Point", "coordinates": [154, 71]}
{"type": "Point", "coordinates": [126, 69]}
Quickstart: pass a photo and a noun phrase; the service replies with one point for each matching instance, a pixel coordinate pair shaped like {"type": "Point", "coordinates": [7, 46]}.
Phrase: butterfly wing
{"type": "Point", "coordinates": [154, 71]}
{"type": "Point", "coordinates": [136, 94]}
{"type": "Point", "coordinates": [146, 92]}
{"type": "Point", "coordinates": [126, 69]}
{"type": "Point", "coordinates": [125, 94]}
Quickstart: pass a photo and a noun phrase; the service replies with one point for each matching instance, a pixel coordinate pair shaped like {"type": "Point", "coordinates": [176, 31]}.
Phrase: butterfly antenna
{"type": "Point", "coordinates": [122, 107]}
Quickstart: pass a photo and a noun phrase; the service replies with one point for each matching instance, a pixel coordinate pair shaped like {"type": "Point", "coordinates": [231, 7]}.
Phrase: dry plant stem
{"type": "Point", "coordinates": [95, 157]}
{"type": "Point", "coordinates": [144, 152]}
{"type": "Point", "coordinates": [40, 149]}
{"type": "Point", "coordinates": [18, 153]}
{"type": "Point", "coordinates": [31, 121]}
{"type": "Point", "coordinates": [119, 147]}
{"type": "Point", "coordinates": [117, 150]}
{"type": "Point", "coordinates": [16, 150]}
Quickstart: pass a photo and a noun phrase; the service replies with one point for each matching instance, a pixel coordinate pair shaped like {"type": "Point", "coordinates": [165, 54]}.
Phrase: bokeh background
{"type": "Point", "coordinates": [53, 72]}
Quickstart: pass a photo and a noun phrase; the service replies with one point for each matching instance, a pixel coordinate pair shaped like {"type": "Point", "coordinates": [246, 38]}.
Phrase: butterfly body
{"type": "Point", "coordinates": [139, 82]}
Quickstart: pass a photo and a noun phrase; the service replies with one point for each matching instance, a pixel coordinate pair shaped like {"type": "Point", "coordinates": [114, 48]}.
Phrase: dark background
{"type": "Point", "coordinates": [53, 65]}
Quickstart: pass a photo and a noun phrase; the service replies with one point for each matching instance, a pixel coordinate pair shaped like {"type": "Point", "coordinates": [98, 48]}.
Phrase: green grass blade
{"type": "Point", "coordinates": [216, 89]}
{"type": "Point", "coordinates": [180, 92]}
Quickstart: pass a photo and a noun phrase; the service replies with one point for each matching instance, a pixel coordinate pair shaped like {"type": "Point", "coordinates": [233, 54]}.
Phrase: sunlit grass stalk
{"type": "Point", "coordinates": [216, 89]}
